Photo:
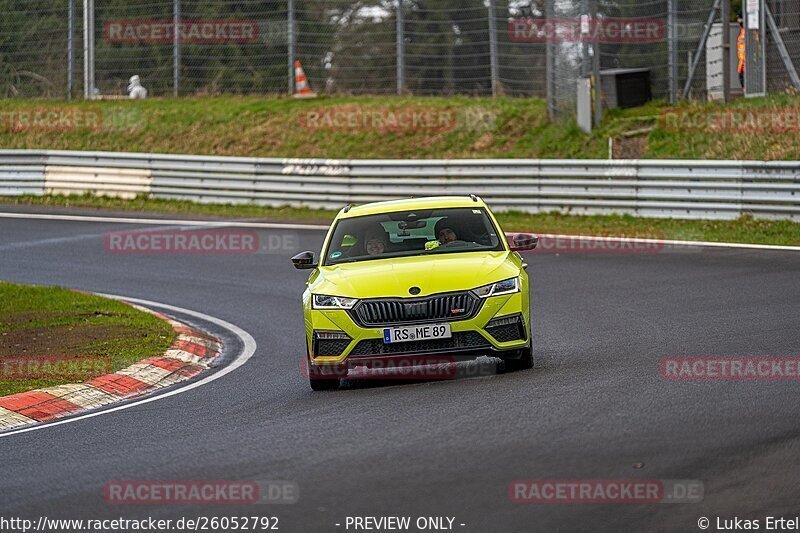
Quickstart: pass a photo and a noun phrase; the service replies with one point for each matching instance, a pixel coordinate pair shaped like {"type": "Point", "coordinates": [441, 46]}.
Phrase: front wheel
{"type": "Point", "coordinates": [524, 362]}
{"type": "Point", "coordinates": [323, 384]}
{"type": "Point", "coordinates": [322, 379]}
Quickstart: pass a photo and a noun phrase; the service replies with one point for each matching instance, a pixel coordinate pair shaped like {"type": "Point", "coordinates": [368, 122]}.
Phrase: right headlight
{"type": "Point", "coordinates": [507, 286]}
{"type": "Point", "coordinates": [320, 301]}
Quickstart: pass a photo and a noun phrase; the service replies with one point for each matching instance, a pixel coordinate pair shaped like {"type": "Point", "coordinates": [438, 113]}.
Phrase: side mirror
{"type": "Point", "coordinates": [522, 242]}
{"type": "Point", "coordinates": [304, 261]}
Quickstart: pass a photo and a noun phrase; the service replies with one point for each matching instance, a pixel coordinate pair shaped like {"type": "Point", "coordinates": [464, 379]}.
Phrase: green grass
{"type": "Point", "coordinates": [175, 207]}
{"type": "Point", "coordinates": [42, 323]}
{"type": "Point", "coordinates": [478, 128]}
{"type": "Point", "coordinates": [743, 230]}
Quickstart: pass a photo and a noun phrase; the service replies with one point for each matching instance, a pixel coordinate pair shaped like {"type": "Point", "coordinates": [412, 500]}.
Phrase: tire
{"type": "Point", "coordinates": [524, 362]}
{"type": "Point", "coordinates": [323, 384]}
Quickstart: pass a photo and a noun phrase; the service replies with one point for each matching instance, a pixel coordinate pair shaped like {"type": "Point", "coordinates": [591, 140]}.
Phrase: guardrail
{"type": "Point", "coordinates": [652, 188]}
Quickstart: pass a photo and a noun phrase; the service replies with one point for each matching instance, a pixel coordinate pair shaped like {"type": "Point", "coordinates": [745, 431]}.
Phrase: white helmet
{"type": "Point", "coordinates": [135, 89]}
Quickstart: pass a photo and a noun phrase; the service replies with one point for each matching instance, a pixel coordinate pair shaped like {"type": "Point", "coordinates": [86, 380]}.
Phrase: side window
{"type": "Point", "coordinates": [343, 247]}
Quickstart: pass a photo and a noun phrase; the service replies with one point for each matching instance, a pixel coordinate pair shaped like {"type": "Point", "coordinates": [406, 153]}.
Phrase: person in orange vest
{"type": "Point", "coordinates": [740, 48]}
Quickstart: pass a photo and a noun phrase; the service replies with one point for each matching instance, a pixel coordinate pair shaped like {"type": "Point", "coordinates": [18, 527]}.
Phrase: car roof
{"type": "Point", "coordinates": [434, 202]}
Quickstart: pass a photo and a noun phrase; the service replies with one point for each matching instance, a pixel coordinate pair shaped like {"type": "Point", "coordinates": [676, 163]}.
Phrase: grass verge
{"type": "Point", "coordinates": [462, 128]}
{"type": "Point", "coordinates": [52, 336]}
{"type": "Point", "coordinates": [742, 230]}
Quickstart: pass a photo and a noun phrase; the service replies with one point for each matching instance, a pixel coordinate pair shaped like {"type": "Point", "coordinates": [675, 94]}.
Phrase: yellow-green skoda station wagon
{"type": "Point", "coordinates": [415, 280]}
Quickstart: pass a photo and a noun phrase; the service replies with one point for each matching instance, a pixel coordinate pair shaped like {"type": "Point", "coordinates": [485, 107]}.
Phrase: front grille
{"type": "Point", "coordinates": [442, 307]}
{"type": "Point", "coordinates": [466, 340]}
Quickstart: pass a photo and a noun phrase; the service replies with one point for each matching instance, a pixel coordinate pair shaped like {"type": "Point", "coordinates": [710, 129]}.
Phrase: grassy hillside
{"type": "Point", "coordinates": [459, 128]}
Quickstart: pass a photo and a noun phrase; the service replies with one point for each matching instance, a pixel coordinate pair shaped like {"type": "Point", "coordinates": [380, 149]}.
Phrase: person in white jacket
{"type": "Point", "coordinates": [135, 89]}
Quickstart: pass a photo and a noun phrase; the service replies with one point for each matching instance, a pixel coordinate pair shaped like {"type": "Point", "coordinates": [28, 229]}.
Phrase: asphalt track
{"type": "Point", "coordinates": [594, 407]}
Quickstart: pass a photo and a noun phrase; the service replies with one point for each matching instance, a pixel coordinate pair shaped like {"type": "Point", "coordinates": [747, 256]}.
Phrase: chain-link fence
{"type": "Point", "coordinates": [783, 48]}
{"type": "Point", "coordinates": [223, 47]}
{"type": "Point", "coordinates": [35, 48]}
{"type": "Point", "coordinates": [422, 47]}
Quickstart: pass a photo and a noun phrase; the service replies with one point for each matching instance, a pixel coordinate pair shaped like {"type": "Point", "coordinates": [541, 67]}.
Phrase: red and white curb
{"type": "Point", "coordinates": [191, 353]}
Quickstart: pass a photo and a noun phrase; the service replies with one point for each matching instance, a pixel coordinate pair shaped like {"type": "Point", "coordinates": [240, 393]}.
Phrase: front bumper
{"type": "Point", "coordinates": [470, 338]}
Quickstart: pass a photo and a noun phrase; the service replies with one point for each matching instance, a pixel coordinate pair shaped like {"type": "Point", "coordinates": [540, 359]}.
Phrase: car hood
{"type": "Point", "coordinates": [393, 277]}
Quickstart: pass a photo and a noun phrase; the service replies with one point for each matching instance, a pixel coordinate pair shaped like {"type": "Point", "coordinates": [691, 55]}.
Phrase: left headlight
{"type": "Point", "coordinates": [320, 301]}
{"type": "Point", "coordinates": [507, 286]}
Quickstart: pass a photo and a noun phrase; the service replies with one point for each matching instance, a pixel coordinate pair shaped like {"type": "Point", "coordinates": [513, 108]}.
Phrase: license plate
{"type": "Point", "coordinates": [422, 332]}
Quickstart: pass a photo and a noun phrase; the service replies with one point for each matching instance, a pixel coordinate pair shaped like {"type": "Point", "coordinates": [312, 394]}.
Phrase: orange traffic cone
{"type": "Point", "coordinates": [301, 89]}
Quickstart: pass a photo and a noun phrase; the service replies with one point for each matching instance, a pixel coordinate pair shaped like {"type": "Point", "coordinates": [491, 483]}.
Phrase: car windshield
{"type": "Point", "coordinates": [408, 233]}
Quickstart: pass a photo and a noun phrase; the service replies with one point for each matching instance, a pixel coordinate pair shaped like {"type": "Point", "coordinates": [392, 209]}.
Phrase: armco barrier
{"type": "Point", "coordinates": [22, 172]}
{"type": "Point", "coordinates": [652, 188]}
